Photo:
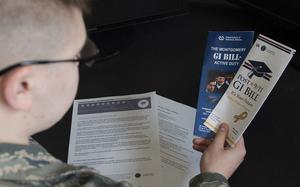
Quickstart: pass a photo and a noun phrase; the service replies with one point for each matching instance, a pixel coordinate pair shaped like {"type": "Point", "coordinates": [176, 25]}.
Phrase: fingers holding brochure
{"type": "Point", "coordinates": [218, 157]}
{"type": "Point", "coordinates": [201, 144]}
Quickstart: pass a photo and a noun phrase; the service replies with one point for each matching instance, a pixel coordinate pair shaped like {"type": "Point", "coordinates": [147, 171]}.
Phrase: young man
{"type": "Point", "coordinates": [41, 44]}
{"type": "Point", "coordinates": [221, 86]}
{"type": "Point", "coordinates": [210, 88]}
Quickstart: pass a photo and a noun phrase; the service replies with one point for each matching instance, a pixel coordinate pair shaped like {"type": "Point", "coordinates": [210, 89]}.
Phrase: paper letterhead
{"type": "Point", "coordinates": [250, 87]}
{"type": "Point", "coordinates": [225, 52]}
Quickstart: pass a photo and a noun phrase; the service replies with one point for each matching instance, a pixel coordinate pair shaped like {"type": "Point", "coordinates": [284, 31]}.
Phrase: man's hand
{"type": "Point", "coordinates": [218, 158]}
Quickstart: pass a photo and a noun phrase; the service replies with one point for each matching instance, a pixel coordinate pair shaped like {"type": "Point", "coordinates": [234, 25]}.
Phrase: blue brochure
{"type": "Point", "coordinates": [224, 53]}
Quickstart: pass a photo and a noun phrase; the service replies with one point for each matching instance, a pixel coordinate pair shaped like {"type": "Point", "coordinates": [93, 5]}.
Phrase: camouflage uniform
{"type": "Point", "coordinates": [209, 180]}
{"type": "Point", "coordinates": [32, 165]}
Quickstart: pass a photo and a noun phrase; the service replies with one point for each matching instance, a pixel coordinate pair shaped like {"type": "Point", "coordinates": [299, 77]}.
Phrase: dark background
{"type": "Point", "coordinates": [167, 56]}
{"type": "Point", "coordinates": [108, 12]}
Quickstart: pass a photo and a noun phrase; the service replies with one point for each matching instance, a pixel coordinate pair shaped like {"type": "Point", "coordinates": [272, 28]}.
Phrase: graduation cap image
{"type": "Point", "coordinates": [257, 68]}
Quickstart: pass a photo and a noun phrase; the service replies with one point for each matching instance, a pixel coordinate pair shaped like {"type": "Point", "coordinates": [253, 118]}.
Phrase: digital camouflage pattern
{"type": "Point", "coordinates": [31, 165]}
{"type": "Point", "coordinates": [209, 180]}
{"type": "Point", "coordinates": [24, 166]}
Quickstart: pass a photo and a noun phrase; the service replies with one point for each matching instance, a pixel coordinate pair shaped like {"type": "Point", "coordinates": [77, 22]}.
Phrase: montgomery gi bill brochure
{"type": "Point", "coordinates": [224, 54]}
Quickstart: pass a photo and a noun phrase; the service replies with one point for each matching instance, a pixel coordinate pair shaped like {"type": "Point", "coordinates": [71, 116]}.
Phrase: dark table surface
{"type": "Point", "coordinates": [167, 56]}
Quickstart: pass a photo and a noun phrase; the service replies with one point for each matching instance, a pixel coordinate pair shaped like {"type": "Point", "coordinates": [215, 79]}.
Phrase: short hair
{"type": "Point", "coordinates": [29, 25]}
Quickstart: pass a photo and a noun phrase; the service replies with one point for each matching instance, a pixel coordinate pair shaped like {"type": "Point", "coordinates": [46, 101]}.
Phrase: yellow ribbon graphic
{"type": "Point", "coordinates": [241, 116]}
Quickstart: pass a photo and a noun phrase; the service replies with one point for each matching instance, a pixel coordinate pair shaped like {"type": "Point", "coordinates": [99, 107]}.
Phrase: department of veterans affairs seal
{"type": "Point", "coordinates": [143, 103]}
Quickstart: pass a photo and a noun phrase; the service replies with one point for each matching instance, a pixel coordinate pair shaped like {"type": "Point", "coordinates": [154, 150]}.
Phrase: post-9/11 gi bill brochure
{"type": "Point", "coordinates": [250, 87]}
{"type": "Point", "coordinates": [224, 53]}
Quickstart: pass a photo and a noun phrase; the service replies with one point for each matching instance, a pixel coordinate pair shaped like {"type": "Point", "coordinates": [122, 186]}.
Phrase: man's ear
{"type": "Point", "coordinates": [16, 88]}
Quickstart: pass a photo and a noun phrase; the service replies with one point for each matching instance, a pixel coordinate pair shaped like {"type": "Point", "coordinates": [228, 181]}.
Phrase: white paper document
{"type": "Point", "coordinates": [118, 136]}
{"type": "Point", "coordinates": [179, 161]}
{"type": "Point", "coordinates": [144, 139]}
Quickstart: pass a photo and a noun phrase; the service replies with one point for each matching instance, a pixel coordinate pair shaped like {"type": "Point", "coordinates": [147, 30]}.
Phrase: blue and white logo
{"type": "Point", "coordinates": [221, 38]}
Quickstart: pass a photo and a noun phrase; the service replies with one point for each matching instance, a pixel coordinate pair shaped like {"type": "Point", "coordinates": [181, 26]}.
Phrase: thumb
{"type": "Point", "coordinates": [220, 137]}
